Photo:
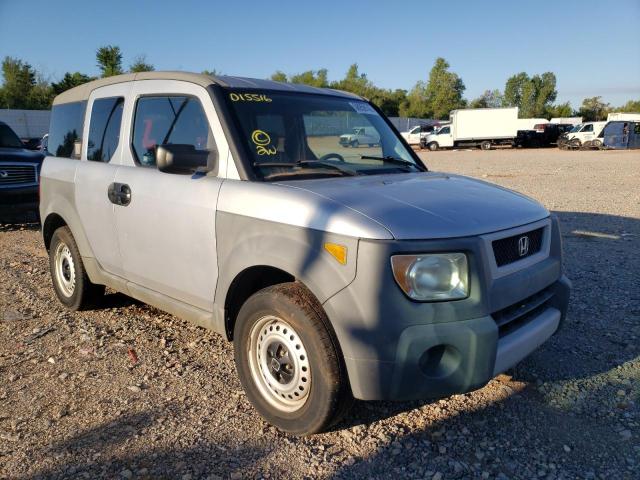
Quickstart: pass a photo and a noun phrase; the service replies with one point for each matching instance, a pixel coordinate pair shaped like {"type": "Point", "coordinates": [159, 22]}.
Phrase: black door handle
{"type": "Point", "coordinates": [119, 194]}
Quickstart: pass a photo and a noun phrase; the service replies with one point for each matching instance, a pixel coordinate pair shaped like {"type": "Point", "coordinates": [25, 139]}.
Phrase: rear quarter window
{"type": "Point", "coordinates": [65, 129]}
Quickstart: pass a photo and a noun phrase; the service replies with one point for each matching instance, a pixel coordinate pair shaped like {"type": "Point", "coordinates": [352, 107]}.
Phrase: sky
{"type": "Point", "coordinates": [592, 46]}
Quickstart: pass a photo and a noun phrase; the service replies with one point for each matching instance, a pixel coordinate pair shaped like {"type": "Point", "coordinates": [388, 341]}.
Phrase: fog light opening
{"type": "Point", "coordinates": [440, 361]}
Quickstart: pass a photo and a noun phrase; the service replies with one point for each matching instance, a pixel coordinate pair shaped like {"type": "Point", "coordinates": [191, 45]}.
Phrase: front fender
{"type": "Point", "coordinates": [245, 242]}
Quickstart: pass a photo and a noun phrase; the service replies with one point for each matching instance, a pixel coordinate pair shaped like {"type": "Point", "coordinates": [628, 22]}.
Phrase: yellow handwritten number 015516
{"type": "Point", "coordinates": [262, 141]}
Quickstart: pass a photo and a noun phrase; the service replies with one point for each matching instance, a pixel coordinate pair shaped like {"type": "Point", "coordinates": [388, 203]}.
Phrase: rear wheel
{"type": "Point", "coordinates": [433, 146]}
{"type": "Point", "coordinates": [288, 360]}
{"type": "Point", "coordinates": [486, 145]}
{"type": "Point", "coordinates": [355, 144]}
{"type": "Point", "coordinates": [596, 144]}
{"type": "Point", "coordinates": [70, 280]}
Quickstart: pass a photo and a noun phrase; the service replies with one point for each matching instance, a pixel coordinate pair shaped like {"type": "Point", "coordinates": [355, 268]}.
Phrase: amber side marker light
{"type": "Point", "coordinates": [339, 252]}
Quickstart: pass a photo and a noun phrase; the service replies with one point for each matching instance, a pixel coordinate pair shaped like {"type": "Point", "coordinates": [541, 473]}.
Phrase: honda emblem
{"type": "Point", "coordinates": [523, 245]}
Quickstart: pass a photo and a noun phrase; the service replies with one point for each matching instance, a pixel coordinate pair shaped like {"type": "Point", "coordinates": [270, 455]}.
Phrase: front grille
{"type": "Point", "coordinates": [515, 316]}
{"type": "Point", "coordinates": [16, 174]}
{"type": "Point", "coordinates": [510, 249]}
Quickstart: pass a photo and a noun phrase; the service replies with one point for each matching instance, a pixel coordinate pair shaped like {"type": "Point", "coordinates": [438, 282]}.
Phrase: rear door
{"type": "Point", "coordinates": [167, 231]}
{"type": "Point", "coordinates": [100, 159]}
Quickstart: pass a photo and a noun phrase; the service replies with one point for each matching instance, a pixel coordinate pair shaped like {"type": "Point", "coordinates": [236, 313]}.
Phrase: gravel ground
{"type": "Point", "coordinates": [130, 392]}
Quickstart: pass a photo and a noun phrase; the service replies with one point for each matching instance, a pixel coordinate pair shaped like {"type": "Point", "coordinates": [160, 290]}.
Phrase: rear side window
{"type": "Point", "coordinates": [169, 120]}
{"type": "Point", "coordinates": [104, 128]}
{"type": "Point", "coordinates": [65, 129]}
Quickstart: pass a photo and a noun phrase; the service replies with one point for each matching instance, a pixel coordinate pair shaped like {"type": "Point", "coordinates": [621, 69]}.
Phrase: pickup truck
{"type": "Point", "coordinates": [337, 275]}
{"type": "Point", "coordinates": [360, 136]}
{"type": "Point", "coordinates": [19, 173]}
{"type": "Point", "coordinates": [416, 134]}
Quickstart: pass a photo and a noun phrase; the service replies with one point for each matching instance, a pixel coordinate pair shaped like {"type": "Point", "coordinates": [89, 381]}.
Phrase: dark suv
{"type": "Point", "coordinates": [19, 174]}
{"type": "Point", "coordinates": [542, 135]}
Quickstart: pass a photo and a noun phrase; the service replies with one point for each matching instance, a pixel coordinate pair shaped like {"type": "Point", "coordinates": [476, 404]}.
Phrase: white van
{"type": "Point", "coordinates": [360, 136]}
{"type": "Point", "coordinates": [585, 132]}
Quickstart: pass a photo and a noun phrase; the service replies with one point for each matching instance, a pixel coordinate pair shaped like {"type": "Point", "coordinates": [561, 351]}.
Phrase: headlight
{"type": "Point", "coordinates": [433, 276]}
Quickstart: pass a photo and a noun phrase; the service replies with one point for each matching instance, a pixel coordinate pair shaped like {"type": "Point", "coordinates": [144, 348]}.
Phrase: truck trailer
{"type": "Point", "coordinates": [476, 127]}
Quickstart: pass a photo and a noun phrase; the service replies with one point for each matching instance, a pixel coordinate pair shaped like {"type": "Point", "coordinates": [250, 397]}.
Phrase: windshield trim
{"type": "Point", "coordinates": [232, 129]}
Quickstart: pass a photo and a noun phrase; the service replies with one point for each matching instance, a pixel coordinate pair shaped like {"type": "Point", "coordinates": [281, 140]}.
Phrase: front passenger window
{"type": "Point", "coordinates": [104, 128]}
{"type": "Point", "coordinates": [178, 120]}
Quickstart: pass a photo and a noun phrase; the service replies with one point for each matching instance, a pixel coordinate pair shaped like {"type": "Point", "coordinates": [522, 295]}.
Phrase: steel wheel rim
{"type": "Point", "coordinates": [279, 364]}
{"type": "Point", "coordinates": [65, 270]}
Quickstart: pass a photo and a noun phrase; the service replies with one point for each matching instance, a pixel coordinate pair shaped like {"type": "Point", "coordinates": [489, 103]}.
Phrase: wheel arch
{"type": "Point", "coordinates": [244, 285]}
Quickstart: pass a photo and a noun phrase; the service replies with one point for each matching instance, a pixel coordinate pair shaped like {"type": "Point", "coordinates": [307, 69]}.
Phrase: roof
{"type": "Point", "coordinates": [83, 91]}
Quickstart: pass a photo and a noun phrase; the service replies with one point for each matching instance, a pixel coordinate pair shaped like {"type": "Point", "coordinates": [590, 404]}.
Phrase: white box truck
{"type": "Point", "coordinates": [476, 127]}
{"type": "Point", "coordinates": [530, 123]}
{"type": "Point", "coordinates": [567, 120]}
{"type": "Point", "coordinates": [621, 117]}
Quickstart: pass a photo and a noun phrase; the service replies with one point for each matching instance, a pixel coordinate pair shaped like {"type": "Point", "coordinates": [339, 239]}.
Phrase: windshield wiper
{"type": "Point", "coordinates": [300, 163]}
{"type": "Point", "coordinates": [390, 159]}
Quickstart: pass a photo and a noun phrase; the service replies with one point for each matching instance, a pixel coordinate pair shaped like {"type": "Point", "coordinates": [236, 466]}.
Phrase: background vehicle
{"type": "Point", "coordinates": [530, 123]}
{"type": "Point", "coordinates": [19, 174]}
{"type": "Point", "coordinates": [582, 133]}
{"type": "Point", "coordinates": [544, 135]}
{"type": "Point", "coordinates": [480, 127]}
{"type": "Point", "coordinates": [416, 134]}
{"type": "Point", "coordinates": [360, 136]}
{"type": "Point", "coordinates": [622, 116]}
{"type": "Point", "coordinates": [566, 120]}
{"type": "Point", "coordinates": [620, 135]}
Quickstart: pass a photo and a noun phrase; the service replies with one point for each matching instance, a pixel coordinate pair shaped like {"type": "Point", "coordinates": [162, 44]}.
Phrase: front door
{"type": "Point", "coordinates": [445, 138]}
{"type": "Point", "coordinates": [167, 232]}
{"type": "Point", "coordinates": [101, 154]}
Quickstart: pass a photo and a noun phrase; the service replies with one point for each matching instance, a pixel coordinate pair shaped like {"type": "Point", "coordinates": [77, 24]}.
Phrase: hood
{"type": "Point", "coordinates": [429, 205]}
{"type": "Point", "coordinates": [20, 155]}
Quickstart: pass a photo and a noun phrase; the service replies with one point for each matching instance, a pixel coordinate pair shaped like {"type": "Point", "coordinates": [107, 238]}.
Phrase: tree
{"type": "Point", "coordinates": [41, 94]}
{"type": "Point", "coordinates": [354, 82]}
{"type": "Point", "coordinates": [532, 95]}
{"type": "Point", "coordinates": [559, 111]}
{"type": "Point", "coordinates": [70, 80]}
{"type": "Point", "coordinates": [632, 106]}
{"type": "Point", "coordinates": [140, 65]}
{"type": "Point", "coordinates": [594, 109]}
{"type": "Point", "coordinates": [489, 99]}
{"type": "Point", "coordinates": [19, 80]}
{"type": "Point", "coordinates": [213, 73]}
{"type": "Point", "coordinates": [109, 60]}
{"type": "Point", "coordinates": [311, 77]}
{"type": "Point", "coordinates": [279, 76]}
{"type": "Point", "coordinates": [443, 91]}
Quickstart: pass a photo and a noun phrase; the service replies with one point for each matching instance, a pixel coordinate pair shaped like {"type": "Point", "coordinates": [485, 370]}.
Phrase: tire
{"type": "Point", "coordinates": [355, 144]}
{"type": "Point", "coordinates": [433, 146]}
{"type": "Point", "coordinates": [486, 145]}
{"type": "Point", "coordinates": [70, 281]}
{"type": "Point", "coordinates": [596, 144]}
{"type": "Point", "coordinates": [575, 143]}
{"type": "Point", "coordinates": [310, 391]}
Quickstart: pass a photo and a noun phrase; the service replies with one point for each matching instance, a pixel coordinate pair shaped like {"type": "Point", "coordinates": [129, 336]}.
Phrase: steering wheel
{"type": "Point", "coordinates": [326, 157]}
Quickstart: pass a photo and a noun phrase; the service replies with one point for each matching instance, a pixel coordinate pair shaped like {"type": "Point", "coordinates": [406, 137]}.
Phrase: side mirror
{"type": "Point", "coordinates": [181, 158]}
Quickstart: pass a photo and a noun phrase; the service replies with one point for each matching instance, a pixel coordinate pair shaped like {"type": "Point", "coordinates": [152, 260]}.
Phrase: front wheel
{"type": "Point", "coordinates": [433, 146]}
{"type": "Point", "coordinates": [355, 144]}
{"type": "Point", "coordinates": [486, 145]}
{"type": "Point", "coordinates": [289, 362]}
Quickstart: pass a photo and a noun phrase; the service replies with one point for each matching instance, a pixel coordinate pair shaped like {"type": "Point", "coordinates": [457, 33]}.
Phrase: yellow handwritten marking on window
{"type": "Point", "coordinates": [249, 97]}
{"type": "Point", "coordinates": [262, 141]}
{"type": "Point", "coordinates": [337, 251]}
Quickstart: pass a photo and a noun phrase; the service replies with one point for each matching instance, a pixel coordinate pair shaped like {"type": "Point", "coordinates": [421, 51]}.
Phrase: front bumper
{"type": "Point", "coordinates": [19, 199]}
{"type": "Point", "coordinates": [397, 349]}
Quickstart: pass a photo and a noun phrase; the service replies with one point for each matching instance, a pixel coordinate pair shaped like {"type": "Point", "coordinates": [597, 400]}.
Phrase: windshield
{"type": "Point", "coordinates": [576, 128]}
{"type": "Point", "coordinates": [300, 135]}
{"type": "Point", "coordinates": [8, 139]}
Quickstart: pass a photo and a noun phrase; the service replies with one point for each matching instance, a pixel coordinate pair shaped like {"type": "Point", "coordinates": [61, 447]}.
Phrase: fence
{"type": "Point", "coordinates": [27, 123]}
